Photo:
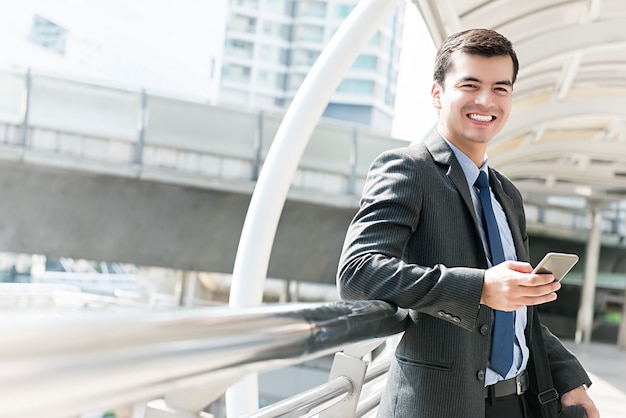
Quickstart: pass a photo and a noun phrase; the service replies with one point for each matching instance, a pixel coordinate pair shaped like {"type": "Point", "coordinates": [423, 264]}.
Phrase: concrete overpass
{"type": "Point", "coordinates": [103, 173]}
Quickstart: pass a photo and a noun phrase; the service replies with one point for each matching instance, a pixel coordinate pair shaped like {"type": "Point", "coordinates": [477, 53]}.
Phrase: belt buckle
{"type": "Point", "coordinates": [518, 385]}
{"type": "Point", "coordinates": [519, 388]}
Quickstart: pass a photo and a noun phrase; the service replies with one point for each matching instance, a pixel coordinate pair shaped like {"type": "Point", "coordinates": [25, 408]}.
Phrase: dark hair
{"type": "Point", "coordinates": [484, 42]}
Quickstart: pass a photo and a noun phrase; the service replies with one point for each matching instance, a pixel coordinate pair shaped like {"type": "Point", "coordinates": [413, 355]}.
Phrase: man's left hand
{"type": "Point", "coordinates": [580, 397]}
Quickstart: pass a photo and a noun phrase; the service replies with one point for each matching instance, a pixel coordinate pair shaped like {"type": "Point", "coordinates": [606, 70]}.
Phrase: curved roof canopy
{"type": "Point", "coordinates": [566, 136]}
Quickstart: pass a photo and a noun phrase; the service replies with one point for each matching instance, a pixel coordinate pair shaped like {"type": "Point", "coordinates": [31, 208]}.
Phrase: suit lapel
{"type": "Point", "coordinates": [444, 156]}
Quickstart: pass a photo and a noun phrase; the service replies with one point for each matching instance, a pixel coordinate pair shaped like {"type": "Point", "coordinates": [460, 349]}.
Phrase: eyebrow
{"type": "Point", "coordinates": [502, 82]}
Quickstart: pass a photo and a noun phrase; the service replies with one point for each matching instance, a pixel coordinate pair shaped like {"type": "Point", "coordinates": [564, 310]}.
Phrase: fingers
{"type": "Point", "coordinates": [507, 288]}
{"type": "Point", "coordinates": [538, 300]}
{"type": "Point", "coordinates": [539, 289]}
{"type": "Point", "coordinates": [519, 266]}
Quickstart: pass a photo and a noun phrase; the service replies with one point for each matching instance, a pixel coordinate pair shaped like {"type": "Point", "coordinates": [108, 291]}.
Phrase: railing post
{"type": "Point", "coordinates": [187, 403]}
{"type": "Point", "coordinates": [258, 147]}
{"type": "Point", "coordinates": [26, 110]}
{"type": "Point", "coordinates": [353, 368]}
{"type": "Point", "coordinates": [142, 122]}
{"type": "Point", "coordinates": [354, 155]}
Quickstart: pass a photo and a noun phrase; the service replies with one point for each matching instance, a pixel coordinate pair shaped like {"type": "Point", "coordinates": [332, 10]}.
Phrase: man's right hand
{"type": "Point", "coordinates": [512, 285]}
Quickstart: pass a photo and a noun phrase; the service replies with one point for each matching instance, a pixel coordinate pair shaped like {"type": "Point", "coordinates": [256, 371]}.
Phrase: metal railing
{"type": "Point", "coordinates": [61, 365]}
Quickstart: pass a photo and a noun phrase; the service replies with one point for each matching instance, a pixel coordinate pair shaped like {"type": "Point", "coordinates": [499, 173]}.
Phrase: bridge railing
{"type": "Point", "coordinates": [55, 121]}
{"type": "Point", "coordinates": [132, 133]}
{"type": "Point", "coordinates": [62, 365]}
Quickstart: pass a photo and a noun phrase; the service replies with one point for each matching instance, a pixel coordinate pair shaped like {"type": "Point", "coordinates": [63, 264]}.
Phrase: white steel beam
{"type": "Point", "coordinates": [270, 193]}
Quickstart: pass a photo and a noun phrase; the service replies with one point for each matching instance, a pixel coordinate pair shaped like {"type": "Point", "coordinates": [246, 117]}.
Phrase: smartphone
{"type": "Point", "coordinates": [556, 263]}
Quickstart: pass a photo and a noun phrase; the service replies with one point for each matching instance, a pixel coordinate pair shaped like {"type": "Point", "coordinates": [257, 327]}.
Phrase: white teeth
{"type": "Point", "coordinates": [480, 118]}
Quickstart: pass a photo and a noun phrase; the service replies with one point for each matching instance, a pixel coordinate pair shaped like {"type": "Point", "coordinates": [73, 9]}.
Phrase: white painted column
{"type": "Point", "coordinates": [584, 324]}
{"type": "Point", "coordinates": [268, 198]}
{"type": "Point", "coordinates": [621, 335]}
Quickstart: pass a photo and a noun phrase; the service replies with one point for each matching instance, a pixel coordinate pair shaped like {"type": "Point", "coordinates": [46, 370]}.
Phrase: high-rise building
{"type": "Point", "coordinates": [270, 46]}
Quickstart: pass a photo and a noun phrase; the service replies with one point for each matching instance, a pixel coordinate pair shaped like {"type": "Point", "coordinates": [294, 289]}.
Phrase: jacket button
{"type": "Point", "coordinates": [441, 313]}
{"type": "Point", "coordinates": [484, 330]}
{"type": "Point", "coordinates": [481, 375]}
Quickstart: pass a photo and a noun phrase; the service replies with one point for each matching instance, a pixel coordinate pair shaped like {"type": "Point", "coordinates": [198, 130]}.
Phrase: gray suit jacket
{"type": "Point", "coordinates": [415, 243]}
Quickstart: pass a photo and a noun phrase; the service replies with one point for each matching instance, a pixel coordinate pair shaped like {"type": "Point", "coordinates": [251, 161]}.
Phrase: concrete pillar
{"type": "Point", "coordinates": [584, 324]}
{"type": "Point", "coordinates": [188, 290]}
{"type": "Point", "coordinates": [621, 336]}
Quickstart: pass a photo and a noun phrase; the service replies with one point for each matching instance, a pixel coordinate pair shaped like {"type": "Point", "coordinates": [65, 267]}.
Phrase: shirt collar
{"type": "Point", "coordinates": [469, 168]}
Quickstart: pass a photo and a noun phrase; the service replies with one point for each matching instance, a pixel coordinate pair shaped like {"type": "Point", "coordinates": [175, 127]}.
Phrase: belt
{"type": "Point", "coordinates": [515, 385]}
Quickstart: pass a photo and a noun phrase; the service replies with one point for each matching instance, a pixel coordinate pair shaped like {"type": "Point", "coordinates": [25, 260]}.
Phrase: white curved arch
{"type": "Point", "coordinates": [270, 193]}
{"type": "Point", "coordinates": [583, 37]}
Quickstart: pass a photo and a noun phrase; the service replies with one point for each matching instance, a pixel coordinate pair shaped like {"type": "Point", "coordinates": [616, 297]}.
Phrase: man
{"type": "Point", "coordinates": [418, 241]}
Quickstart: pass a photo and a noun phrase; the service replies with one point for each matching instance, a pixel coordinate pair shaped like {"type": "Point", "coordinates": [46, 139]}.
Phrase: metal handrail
{"type": "Point", "coordinates": [76, 363]}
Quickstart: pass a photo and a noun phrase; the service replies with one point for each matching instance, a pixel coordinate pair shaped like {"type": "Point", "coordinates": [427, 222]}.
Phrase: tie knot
{"type": "Point", "coordinates": [482, 181]}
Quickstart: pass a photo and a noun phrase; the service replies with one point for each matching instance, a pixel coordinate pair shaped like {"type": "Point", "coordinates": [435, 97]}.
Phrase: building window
{"type": "Point", "coordinates": [311, 8]}
{"type": "Point", "coordinates": [271, 79]}
{"type": "Point", "coordinates": [48, 35]}
{"type": "Point", "coordinates": [250, 4]}
{"type": "Point", "coordinates": [243, 23]}
{"type": "Point", "coordinates": [295, 81]}
{"type": "Point", "coordinates": [238, 48]}
{"type": "Point", "coordinates": [276, 30]}
{"type": "Point", "coordinates": [277, 6]}
{"type": "Point", "coordinates": [375, 41]}
{"type": "Point", "coordinates": [365, 87]}
{"type": "Point", "coordinates": [343, 10]}
{"type": "Point", "coordinates": [365, 62]}
{"type": "Point", "coordinates": [236, 73]}
{"type": "Point", "coordinates": [274, 54]}
{"type": "Point", "coordinates": [304, 57]}
{"type": "Point", "coordinates": [309, 33]}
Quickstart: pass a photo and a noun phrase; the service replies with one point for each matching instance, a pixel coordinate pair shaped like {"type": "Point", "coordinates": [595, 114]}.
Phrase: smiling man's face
{"type": "Point", "coordinates": [475, 101]}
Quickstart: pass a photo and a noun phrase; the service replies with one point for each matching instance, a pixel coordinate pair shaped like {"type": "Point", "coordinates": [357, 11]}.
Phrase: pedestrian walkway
{"type": "Point", "coordinates": [606, 364]}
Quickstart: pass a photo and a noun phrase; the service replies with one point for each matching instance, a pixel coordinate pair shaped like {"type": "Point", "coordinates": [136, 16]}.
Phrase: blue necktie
{"type": "Point", "coordinates": [503, 338]}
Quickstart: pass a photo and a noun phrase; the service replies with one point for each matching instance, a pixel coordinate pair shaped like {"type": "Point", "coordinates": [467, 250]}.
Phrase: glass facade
{"type": "Point", "coordinates": [238, 48]}
{"type": "Point", "coordinates": [311, 8]}
{"type": "Point", "coordinates": [357, 87]}
{"type": "Point", "coordinates": [272, 44]}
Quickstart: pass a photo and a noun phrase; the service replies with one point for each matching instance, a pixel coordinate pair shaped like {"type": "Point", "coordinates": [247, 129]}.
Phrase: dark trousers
{"type": "Point", "coordinates": [512, 406]}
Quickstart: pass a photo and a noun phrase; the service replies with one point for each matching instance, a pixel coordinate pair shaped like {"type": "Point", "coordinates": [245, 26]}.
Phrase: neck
{"type": "Point", "coordinates": [475, 151]}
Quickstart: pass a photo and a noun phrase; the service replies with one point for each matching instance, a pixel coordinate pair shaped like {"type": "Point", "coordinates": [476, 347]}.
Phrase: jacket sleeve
{"type": "Point", "coordinates": [373, 262]}
{"type": "Point", "coordinates": [567, 372]}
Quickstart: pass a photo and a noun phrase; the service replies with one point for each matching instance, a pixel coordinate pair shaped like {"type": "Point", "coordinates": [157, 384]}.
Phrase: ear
{"type": "Point", "coordinates": [435, 93]}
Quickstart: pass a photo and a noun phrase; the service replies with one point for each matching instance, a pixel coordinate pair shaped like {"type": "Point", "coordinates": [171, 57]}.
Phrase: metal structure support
{"type": "Point", "coordinates": [142, 122]}
{"type": "Point", "coordinates": [621, 335]}
{"type": "Point", "coordinates": [25, 109]}
{"type": "Point", "coordinates": [354, 156]}
{"type": "Point", "coordinates": [353, 368]}
{"type": "Point", "coordinates": [268, 198]}
{"type": "Point", "coordinates": [584, 324]}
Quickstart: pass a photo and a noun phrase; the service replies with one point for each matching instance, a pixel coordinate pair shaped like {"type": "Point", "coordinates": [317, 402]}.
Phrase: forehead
{"type": "Point", "coordinates": [494, 69]}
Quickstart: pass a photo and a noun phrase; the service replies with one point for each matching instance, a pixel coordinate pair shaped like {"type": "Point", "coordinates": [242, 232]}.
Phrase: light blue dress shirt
{"type": "Point", "coordinates": [521, 352]}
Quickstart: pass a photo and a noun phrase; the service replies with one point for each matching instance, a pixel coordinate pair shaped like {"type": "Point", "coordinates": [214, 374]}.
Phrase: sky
{"type": "Point", "coordinates": [415, 113]}
{"type": "Point", "coordinates": [173, 47]}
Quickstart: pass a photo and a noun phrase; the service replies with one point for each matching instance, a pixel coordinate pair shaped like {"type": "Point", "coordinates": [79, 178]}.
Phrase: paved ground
{"type": "Point", "coordinates": [607, 366]}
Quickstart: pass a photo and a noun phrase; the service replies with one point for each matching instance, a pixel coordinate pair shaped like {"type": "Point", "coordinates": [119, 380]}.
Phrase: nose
{"type": "Point", "coordinates": [484, 97]}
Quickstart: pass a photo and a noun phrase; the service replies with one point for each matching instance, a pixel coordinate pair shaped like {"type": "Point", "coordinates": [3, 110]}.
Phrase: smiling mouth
{"type": "Point", "coordinates": [481, 118]}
